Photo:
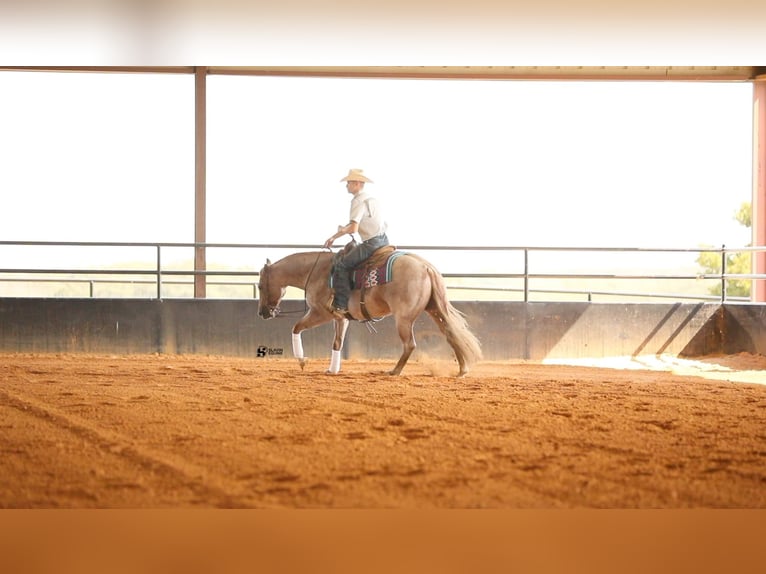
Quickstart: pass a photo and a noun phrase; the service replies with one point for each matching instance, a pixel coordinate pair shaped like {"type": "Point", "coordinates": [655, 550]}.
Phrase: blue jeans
{"type": "Point", "coordinates": [341, 275]}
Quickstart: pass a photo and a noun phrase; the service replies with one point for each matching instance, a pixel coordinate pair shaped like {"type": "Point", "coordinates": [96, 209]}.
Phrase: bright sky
{"type": "Point", "coordinates": [97, 157]}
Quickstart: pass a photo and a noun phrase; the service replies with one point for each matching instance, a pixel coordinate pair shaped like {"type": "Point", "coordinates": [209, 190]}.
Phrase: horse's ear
{"type": "Point", "coordinates": [268, 261]}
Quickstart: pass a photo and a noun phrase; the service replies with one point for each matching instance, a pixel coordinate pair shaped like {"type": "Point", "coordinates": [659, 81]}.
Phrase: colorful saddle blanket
{"type": "Point", "coordinates": [377, 270]}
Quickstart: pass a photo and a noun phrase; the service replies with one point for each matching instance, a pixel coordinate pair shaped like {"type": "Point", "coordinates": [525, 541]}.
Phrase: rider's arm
{"type": "Point", "coordinates": [350, 228]}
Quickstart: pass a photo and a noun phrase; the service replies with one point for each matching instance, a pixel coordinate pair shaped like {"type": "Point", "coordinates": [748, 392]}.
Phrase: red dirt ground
{"type": "Point", "coordinates": [160, 431]}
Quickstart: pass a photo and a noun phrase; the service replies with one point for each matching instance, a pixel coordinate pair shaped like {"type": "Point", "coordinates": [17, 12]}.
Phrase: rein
{"type": "Point", "coordinates": [305, 289]}
{"type": "Point", "coordinates": [311, 272]}
{"type": "Point", "coordinates": [306, 285]}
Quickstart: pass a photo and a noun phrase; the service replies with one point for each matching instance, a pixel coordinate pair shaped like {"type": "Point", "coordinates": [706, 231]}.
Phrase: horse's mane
{"type": "Point", "coordinates": [302, 258]}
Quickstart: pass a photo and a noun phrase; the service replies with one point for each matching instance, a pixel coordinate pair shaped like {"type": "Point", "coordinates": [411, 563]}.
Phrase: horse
{"type": "Point", "coordinates": [415, 286]}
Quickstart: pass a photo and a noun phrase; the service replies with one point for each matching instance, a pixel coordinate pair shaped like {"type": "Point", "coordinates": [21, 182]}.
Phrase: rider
{"type": "Point", "coordinates": [367, 219]}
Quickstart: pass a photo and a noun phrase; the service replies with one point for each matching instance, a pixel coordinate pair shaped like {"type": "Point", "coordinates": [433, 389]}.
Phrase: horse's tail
{"type": "Point", "coordinates": [452, 322]}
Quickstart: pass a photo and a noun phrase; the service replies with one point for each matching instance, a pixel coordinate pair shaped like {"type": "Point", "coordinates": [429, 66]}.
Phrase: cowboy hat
{"type": "Point", "coordinates": [356, 175]}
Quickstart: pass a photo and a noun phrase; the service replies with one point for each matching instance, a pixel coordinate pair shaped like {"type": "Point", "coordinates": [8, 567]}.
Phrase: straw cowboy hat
{"type": "Point", "coordinates": [356, 175]}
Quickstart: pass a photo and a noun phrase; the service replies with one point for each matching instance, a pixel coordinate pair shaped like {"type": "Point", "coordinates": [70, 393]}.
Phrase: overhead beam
{"type": "Point", "coordinates": [562, 73]}
{"type": "Point", "coordinates": [104, 69]}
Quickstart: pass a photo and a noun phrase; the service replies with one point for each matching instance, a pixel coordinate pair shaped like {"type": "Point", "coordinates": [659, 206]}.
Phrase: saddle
{"type": "Point", "coordinates": [376, 270]}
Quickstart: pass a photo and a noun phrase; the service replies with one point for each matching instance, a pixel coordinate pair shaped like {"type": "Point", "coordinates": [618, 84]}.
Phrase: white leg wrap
{"type": "Point", "coordinates": [297, 346]}
{"type": "Point", "coordinates": [335, 362]}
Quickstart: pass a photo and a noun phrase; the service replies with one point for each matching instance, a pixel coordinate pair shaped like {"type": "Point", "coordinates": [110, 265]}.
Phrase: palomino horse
{"type": "Point", "coordinates": [415, 286]}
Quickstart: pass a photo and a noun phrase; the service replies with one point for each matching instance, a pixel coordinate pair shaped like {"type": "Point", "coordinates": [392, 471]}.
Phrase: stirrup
{"type": "Point", "coordinates": [339, 313]}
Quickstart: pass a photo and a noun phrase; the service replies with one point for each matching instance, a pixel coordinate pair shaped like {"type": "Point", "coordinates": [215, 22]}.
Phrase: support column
{"type": "Point", "coordinates": [758, 293]}
{"type": "Point", "coordinates": [200, 175]}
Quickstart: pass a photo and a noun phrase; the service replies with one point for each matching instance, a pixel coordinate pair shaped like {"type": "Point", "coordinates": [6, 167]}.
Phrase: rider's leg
{"type": "Point", "coordinates": [345, 264]}
{"type": "Point", "coordinates": [341, 285]}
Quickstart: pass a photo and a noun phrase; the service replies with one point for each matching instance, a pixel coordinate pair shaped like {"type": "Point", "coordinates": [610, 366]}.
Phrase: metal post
{"type": "Point", "coordinates": [200, 216]}
{"type": "Point", "coordinates": [758, 286]}
{"type": "Point", "coordinates": [159, 274]}
{"type": "Point", "coordinates": [723, 273]}
{"type": "Point", "coordinates": [526, 275]}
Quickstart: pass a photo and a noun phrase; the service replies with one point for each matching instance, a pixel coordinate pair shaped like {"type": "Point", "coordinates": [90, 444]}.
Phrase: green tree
{"type": "Point", "coordinates": [735, 262]}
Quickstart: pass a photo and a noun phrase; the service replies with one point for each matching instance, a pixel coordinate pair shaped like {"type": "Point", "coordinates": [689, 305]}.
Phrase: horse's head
{"type": "Point", "coordinates": [270, 293]}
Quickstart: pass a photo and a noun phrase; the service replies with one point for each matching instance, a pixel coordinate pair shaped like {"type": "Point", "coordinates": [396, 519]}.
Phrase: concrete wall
{"type": "Point", "coordinates": [745, 329]}
{"type": "Point", "coordinates": [512, 330]}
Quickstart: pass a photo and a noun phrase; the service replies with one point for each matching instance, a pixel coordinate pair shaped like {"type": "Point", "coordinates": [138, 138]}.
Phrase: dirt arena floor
{"type": "Point", "coordinates": [159, 431]}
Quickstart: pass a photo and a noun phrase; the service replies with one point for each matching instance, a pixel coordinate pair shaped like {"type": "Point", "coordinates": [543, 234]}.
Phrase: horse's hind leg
{"type": "Point", "coordinates": [407, 335]}
{"type": "Point", "coordinates": [442, 323]}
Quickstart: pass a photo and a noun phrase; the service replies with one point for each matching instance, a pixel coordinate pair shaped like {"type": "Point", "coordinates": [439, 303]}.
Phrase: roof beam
{"type": "Point", "coordinates": [105, 69]}
{"type": "Point", "coordinates": [557, 73]}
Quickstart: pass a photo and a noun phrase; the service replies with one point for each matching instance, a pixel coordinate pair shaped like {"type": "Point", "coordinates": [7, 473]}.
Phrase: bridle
{"type": "Point", "coordinates": [273, 310]}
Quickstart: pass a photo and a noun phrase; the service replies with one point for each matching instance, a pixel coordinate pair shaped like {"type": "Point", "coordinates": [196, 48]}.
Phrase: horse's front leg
{"type": "Point", "coordinates": [308, 321]}
{"type": "Point", "coordinates": [341, 326]}
{"type": "Point", "coordinates": [298, 349]}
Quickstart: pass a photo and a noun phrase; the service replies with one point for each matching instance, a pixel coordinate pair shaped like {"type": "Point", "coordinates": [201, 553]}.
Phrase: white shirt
{"type": "Point", "coordinates": [367, 213]}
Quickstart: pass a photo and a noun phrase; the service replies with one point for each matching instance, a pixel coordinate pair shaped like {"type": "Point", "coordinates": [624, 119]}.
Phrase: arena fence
{"type": "Point", "coordinates": [527, 273]}
{"type": "Point", "coordinates": [521, 302]}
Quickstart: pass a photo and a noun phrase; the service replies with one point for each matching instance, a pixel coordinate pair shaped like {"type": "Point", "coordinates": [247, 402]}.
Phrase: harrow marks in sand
{"type": "Point", "coordinates": [82, 431]}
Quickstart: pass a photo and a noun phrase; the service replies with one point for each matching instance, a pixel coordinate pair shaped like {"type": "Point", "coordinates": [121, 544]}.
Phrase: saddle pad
{"type": "Point", "coordinates": [377, 274]}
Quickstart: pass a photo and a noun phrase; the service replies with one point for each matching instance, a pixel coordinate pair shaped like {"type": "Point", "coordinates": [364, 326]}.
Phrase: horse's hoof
{"type": "Point", "coordinates": [302, 363]}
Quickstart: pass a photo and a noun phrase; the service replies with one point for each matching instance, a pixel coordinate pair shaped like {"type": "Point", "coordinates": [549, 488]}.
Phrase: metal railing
{"type": "Point", "coordinates": [161, 277]}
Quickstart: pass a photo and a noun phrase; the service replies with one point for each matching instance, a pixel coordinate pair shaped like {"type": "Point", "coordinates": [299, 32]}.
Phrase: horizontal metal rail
{"type": "Point", "coordinates": [35, 274]}
{"type": "Point", "coordinates": [589, 293]}
{"type": "Point", "coordinates": [302, 246]}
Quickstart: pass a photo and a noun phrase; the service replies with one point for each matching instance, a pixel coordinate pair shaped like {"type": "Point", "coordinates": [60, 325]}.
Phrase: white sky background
{"type": "Point", "coordinates": [97, 157]}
